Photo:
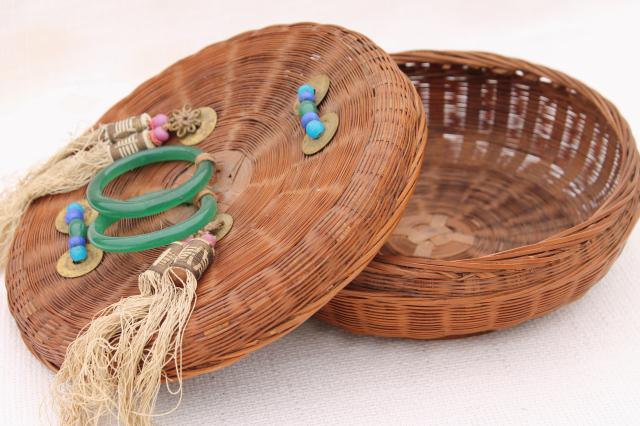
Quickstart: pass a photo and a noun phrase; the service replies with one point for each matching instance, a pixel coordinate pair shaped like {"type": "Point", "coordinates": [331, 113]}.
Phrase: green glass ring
{"type": "Point", "coordinates": [179, 231]}
{"type": "Point", "coordinates": [111, 210]}
{"type": "Point", "coordinates": [158, 201]}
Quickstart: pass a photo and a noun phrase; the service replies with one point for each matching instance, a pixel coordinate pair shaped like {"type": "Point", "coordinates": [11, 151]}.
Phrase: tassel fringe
{"type": "Point", "coordinates": [70, 168]}
{"type": "Point", "coordinates": [116, 365]}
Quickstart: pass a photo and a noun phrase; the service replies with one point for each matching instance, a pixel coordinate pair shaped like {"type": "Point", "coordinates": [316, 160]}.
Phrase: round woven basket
{"type": "Point", "coordinates": [527, 194]}
{"type": "Point", "coordinates": [304, 227]}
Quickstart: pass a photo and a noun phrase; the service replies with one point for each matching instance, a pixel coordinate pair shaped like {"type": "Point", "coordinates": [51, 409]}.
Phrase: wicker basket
{"type": "Point", "coordinates": [304, 226]}
{"type": "Point", "coordinates": [528, 192]}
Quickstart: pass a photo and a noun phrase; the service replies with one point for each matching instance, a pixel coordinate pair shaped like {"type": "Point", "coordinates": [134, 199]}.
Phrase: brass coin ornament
{"type": "Point", "coordinates": [310, 145]}
{"type": "Point", "coordinates": [220, 226]}
{"type": "Point", "coordinates": [319, 130]}
{"type": "Point", "coordinates": [208, 120]}
{"type": "Point", "coordinates": [67, 268]}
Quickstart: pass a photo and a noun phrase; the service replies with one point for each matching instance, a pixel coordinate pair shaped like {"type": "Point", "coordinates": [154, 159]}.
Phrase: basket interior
{"type": "Point", "coordinates": [511, 160]}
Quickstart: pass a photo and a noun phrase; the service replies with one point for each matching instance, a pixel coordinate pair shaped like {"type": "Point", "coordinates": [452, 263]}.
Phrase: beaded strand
{"type": "Point", "coordinates": [135, 134]}
{"type": "Point", "coordinates": [77, 232]}
{"type": "Point", "coordinates": [308, 111]}
{"type": "Point", "coordinates": [142, 132]}
{"type": "Point", "coordinates": [127, 127]}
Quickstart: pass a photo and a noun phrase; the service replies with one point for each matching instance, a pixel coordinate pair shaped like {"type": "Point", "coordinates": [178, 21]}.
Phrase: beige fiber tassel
{"type": "Point", "coordinates": [70, 168]}
{"type": "Point", "coordinates": [117, 363]}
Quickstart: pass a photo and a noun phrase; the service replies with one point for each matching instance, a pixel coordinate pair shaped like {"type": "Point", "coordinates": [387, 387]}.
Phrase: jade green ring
{"type": "Point", "coordinates": [111, 210]}
{"type": "Point", "coordinates": [179, 231]}
{"type": "Point", "coordinates": [158, 201]}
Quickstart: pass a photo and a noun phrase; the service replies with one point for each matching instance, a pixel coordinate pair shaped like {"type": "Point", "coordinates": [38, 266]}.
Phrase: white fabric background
{"type": "Point", "coordinates": [63, 63]}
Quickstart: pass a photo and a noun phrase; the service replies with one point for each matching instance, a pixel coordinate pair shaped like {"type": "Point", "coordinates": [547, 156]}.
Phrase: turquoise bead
{"type": "Point", "coordinates": [78, 253]}
{"type": "Point", "coordinates": [75, 206]}
{"type": "Point", "coordinates": [74, 211]}
{"type": "Point", "coordinates": [306, 88]}
{"type": "Point", "coordinates": [77, 228]}
{"type": "Point", "coordinates": [315, 129]}
{"type": "Point", "coordinates": [307, 106]}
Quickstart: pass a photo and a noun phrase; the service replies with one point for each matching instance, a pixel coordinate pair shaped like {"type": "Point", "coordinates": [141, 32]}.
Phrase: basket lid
{"type": "Point", "coordinates": [304, 226]}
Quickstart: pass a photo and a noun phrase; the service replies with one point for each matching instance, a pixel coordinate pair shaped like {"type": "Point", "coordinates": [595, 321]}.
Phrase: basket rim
{"type": "Point", "coordinates": [525, 256]}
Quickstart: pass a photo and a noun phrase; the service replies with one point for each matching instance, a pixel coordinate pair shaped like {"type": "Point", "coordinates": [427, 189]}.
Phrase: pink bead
{"type": "Point", "coordinates": [160, 134]}
{"type": "Point", "coordinates": [159, 120]}
{"type": "Point", "coordinates": [211, 239]}
{"type": "Point", "coordinates": [154, 139]}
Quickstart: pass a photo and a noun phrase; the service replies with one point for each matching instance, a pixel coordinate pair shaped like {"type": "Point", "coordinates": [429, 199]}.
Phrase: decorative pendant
{"type": "Point", "coordinates": [207, 122]}
{"type": "Point", "coordinates": [82, 257]}
{"type": "Point", "coordinates": [319, 130]}
{"type": "Point", "coordinates": [142, 132]}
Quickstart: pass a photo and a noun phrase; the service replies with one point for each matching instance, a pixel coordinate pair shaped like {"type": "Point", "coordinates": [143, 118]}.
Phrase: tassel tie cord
{"type": "Point", "coordinates": [116, 364]}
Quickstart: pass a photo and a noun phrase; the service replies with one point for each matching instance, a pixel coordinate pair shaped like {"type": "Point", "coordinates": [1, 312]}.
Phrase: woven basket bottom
{"type": "Point", "coordinates": [464, 209]}
{"type": "Point", "coordinates": [528, 192]}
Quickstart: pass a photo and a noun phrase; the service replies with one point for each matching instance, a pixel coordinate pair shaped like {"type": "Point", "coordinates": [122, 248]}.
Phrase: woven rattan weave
{"type": "Point", "coordinates": [528, 192]}
{"type": "Point", "coordinates": [304, 227]}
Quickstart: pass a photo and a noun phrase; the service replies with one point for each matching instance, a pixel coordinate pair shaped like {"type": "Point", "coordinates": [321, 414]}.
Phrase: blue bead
{"type": "Point", "coordinates": [307, 117]}
{"type": "Point", "coordinates": [306, 88]}
{"type": "Point", "coordinates": [307, 96]}
{"type": "Point", "coordinates": [315, 129]}
{"type": "Point", "coordinates": [75, 206]}
{"type": "Point", "coordinates": [78, 253]}
{"type": "Point", "coordinates": [77, 241]}
{"type": "Point", "coordinates": [73, 214]}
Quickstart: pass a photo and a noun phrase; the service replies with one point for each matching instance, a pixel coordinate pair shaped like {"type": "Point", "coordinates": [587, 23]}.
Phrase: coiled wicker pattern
{"type": "Point", "coordinates": [528, 192]}
{"type": "Point", "coordinates": [304, 226]}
